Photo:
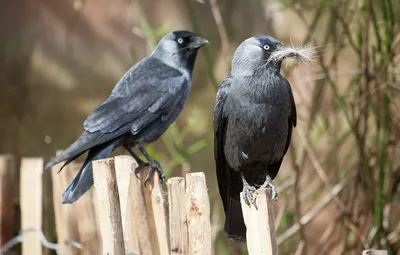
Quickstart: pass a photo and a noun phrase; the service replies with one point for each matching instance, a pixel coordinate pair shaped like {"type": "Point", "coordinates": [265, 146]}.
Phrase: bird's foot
{"type": "Point", "coordinates": [268, 184]}
{"type": "Point", "coordinates": [249, 194]}
{"type": "Point", "coordinates": [153, 166]}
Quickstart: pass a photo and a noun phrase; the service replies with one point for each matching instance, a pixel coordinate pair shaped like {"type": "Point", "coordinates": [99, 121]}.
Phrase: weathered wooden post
{"type": "Point", "coordinates": [124, 171]}
{"type": "Point", "coordinates": [8, 197]}
{"type": "Point", "coordinates": [66, 225]}
{"type": "Point", "coordinates": [141, 224]}
{"type": "Point", "coordinates": [159, 214]}
{"type": "Point", "coordinates": [178, 225]}
{"type": "Point", "coordinates": [105, 183]}
{"type": "Point", "coordinates": [198, 214]}
{"type": "Point", "coordinates": [260, 224]}
{"type": "Point", "coordinates": [31, 203]}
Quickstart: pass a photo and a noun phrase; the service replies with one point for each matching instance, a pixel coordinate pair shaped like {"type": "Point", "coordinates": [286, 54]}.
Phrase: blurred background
{"type": "Point", "coordinates": [340, 179]}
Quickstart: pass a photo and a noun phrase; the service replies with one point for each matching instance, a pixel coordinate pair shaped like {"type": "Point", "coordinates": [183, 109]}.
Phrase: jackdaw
{"type": "Point", "coordinates": [253, 119]}
{"type": "Point", "coordinates": [143, 104]}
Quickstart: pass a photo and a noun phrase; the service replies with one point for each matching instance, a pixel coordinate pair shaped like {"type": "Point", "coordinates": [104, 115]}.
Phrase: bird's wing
{"type": "Point", "coordinates": [292, 118]}
{"type": "Point", "coordinates": [220, 121]}
{"type": "Point", "coordinates": [143, 94]}
{"type": "Point", "coordinates": [147, 91]}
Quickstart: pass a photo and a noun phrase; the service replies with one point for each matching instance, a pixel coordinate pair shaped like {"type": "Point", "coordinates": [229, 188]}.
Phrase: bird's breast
{"type": "Point", "coordinates": [257, 127]}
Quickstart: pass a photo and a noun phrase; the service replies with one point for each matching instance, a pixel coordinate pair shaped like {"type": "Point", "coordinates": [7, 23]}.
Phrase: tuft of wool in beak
{"type": "Point", "coordinates": [302, 54]}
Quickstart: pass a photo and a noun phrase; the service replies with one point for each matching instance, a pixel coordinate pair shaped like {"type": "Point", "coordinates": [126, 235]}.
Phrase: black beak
{"type": "Point", "coordinates": [197, 42]}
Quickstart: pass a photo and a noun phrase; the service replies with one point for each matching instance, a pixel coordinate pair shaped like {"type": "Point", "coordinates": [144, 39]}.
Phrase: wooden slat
{"type": "Point", "coordinates": [31, 203]}
{"type": "Point", "coordinates": [105, 183]}
{"type": "Point", "coordinates": [65, 215]}
{"type": "Point", "coordinates": [141, 224]}
{"type": "Point", "coordinates": [160, 214]}
{"type": "Point", "coordinates": [198, 214]}
{"type": "Point", "coordinates": [8, 197]}
{"type": "Point", "coordinates": [260, 224]}
{"type": "Point", "coordinates": [124, 171]}
{"type": "Point", "coordinates": [86, 218]}
{"type": "Point", "coordinates": [178, 228]}
{"type": "Point", "coordinates": [149, 211]}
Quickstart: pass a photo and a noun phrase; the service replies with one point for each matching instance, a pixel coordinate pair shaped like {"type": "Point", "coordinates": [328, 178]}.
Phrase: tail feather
{"type": "Point", "coordinates": [81, 145]}
{"type": "Point", "coordinates": [70, 160]}
{"type": "Point", "coordinates": [234, 227]}
{"type": "Point", "coordinates": [84, 179]}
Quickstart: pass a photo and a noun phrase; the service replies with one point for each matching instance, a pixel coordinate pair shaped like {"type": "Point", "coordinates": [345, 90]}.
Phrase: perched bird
{"type": "Point", "coordinates": [143, 104]}
{"type": "Point", "coordinates": [254, 116]}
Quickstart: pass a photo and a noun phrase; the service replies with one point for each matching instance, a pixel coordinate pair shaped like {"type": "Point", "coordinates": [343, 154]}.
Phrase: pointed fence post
{"type": "Point", "coordinates": [31, 204]}
{"type": "Point", "coordinates": [8, 197]}
{"type": "Point", "coordinates": [260, 224]}
{"type": "Point", "coordinates": [198, 214]}
{"type": "Point", "coordinates": [105, 183]}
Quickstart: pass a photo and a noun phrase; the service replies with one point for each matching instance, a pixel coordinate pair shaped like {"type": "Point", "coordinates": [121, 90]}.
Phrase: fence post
{"type": "Point", "coordinates": [87, 223]}
{"type": "Point", "coordinates": [8, 196]}
{"type": "Point", "coordinates": [149, 211]}
{"type": "Point", "coordinates": [105, 184]}
{"type": "Point", "coordinates": [260, 224]}
{"type": "Point", "coordinates": [66, 225]}
{"type": "Point", "coordinates": [123, 170]}
{"type": "Point", "coordinates": [178, 229]}
{"type": "Point", "coordinates": [198, 214]}
{"type": "Point", "coordinates": [159, 214]}
{"type": "Point", "coordinates": [139, 214]}
{"type": "Point", "coordinates": [31, 203]}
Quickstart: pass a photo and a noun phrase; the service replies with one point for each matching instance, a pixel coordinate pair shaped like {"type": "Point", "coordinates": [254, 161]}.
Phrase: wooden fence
{"type": "Point", "coordinates": [119, 215]}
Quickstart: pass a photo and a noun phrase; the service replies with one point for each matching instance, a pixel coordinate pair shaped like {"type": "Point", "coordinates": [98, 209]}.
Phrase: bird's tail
{"type": "Point", "coordinates": [234, 227]}
{"type": "Point", "coordinates": [84, 179]}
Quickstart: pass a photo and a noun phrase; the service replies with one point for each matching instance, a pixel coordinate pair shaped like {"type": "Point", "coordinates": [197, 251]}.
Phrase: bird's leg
{"type": "Point", "coordinates": [141, 163]}
{"type": "Point", "coordinates": [268, 183]}
{"type": "Point", "coordinates": [153, 165]}
{"type": "Point", "coordinates": [248, 193]}
{"type": "Point", "coordinates": [134, 155]}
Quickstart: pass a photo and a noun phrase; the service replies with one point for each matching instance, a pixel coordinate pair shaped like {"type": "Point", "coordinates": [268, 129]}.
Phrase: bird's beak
{"type": "Point", "coordinates": [197, 42]}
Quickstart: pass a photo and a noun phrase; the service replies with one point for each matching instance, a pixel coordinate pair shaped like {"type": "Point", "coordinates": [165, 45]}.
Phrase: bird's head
{"type": "Point", "coordinates": [264, 52]}
{"type": "Point", "coordinates": [179, 47]}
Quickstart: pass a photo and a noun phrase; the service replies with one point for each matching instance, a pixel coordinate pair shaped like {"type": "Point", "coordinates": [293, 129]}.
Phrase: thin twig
{"type": "Point", "coordinates": [300, 248]}
{"type": "Point", "coordinates": [317, 166]}
{"type": "Point", "coordinates": [346, 30]}
{"type": "Point", "coordinates": [317, 208]}
{"type": "Point", "coordinates": [222, 32]}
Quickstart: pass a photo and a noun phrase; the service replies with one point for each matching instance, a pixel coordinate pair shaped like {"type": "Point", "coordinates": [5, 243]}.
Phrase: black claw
{"type": "Point", "coordinates": [148, 176]}
{"type": "Point", "coordinates": [248, 194]}
{"type": "Point", "coordinates": [153, 166]}
{"type": "Point", "coordinates": [162, 177]}
{"type": "Point", "coordinates": [139, 168]}
{"type": "Point", "coordinates": [137, 171]}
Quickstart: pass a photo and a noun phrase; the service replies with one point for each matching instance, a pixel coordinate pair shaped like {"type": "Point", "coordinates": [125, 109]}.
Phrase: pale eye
{"type": "Point", "coordinates": [266, 47]}
{"type": "Point", "coordinates": [180, 40]}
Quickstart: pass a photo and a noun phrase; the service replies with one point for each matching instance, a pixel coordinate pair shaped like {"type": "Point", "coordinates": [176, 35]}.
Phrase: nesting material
{"type": "Point", "coordinates": [303, 54]}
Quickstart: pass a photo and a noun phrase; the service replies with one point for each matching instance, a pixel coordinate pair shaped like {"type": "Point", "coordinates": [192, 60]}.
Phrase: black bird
{"type": "Point", "coordinates": [254, 116]}
{"type": "Point", "coordinates": [143, 104]}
